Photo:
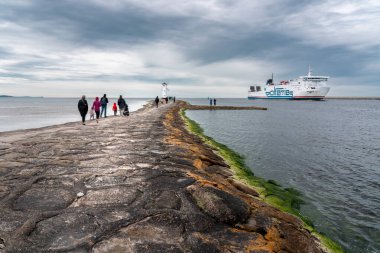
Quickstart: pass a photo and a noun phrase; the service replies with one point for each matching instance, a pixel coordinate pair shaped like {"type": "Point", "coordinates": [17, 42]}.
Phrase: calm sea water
{"type": "Point", "coordinates": [24, 113]}
{"type": "Point", "coordinates": [328, 150]}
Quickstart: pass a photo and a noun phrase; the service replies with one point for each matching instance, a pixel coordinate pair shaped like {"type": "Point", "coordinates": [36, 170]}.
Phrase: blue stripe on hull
{"type": "Point", "coordinates": [308, 98]}
{"type": "Point", "coordinates": [286, 98]}
{"type": "Point", "coordinates": [271, 98]}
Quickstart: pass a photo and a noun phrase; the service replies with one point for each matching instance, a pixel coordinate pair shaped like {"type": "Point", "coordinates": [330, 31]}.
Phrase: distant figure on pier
{"type": "Point", "coordinates": [214, 101]}
{"type": "Point", "coordinates": [121, 103]}
{"type": "Point", "coordinates": [83, 108]}
{"type": "Point", "coordinates": [96, 106]}
{"type": "Point", "coordinates": [210, 101]}
{"type": "Point", "coordinates": [104, 102]}
{"type": "Point", "coordinates": [114, 109]}
{"type": "Point", "coordinates": [157, 100]}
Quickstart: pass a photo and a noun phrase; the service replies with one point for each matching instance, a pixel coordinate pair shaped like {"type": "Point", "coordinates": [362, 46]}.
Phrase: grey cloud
{"type": "Point", "coordinates": [81, 24]}
{"type": "Point", "coordinates": [86, 24]}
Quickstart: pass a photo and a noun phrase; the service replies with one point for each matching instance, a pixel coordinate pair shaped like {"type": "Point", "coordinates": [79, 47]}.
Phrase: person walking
{"type": "Point", "coordinates": [104, 102]}
{"type": "Point", "coordinates": [121, 103]}
{"type": "Point", "coordinates": [214, 101]}
{"type": "Point", "coordinates": [210, 101]}
{"type": "Point", "coordinates": [96, 106]}
{"type": "Point", "coordinates": [114, 109]}
{"type": "Point", "coordinates": [174, 100]}
{"type": "Point", "coordinates": [83, 108]}
{"type": "Point", "coordinates": [157, 100]}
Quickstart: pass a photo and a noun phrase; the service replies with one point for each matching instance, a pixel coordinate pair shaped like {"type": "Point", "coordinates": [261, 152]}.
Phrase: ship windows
{"type": "Point", "coordinates": [315, 79]}
{"type": "Point", "coordinates": [255, 88]}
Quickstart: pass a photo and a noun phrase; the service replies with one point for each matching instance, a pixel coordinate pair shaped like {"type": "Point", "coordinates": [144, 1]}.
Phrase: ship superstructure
{"type": "Point", "coordinates": [307, 87]}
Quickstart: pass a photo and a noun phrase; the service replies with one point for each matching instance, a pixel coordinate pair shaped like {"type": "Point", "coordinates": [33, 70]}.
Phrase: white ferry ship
{"type": "Point", "coordinates": [303, 88]}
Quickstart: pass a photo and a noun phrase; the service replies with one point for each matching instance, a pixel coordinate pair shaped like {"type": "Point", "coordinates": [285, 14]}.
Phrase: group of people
{"type": "Point", "coordinates": [157, 100]}
{"type": "Point", "coordinates": [99, 108]}
{"type": "Point", "coordinates": [212, 100]}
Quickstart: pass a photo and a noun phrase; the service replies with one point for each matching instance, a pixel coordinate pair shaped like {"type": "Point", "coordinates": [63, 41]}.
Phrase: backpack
{"type": "Point", "coordinates": [103, 101]}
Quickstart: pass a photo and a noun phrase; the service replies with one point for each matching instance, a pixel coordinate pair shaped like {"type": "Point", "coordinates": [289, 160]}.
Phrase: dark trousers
{"type": "Point", "coordinates": [104, 109]}
{"type": "Point", "coordinates": [83, 114]}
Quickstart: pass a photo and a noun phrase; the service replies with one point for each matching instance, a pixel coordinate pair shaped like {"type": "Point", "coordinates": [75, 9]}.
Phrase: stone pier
{"type": "Point", "coordinates": [132, 184]}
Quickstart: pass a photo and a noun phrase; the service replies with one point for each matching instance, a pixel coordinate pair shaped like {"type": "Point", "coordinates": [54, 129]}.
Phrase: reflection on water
{"type": "Point", "coordinates": [329, 150]}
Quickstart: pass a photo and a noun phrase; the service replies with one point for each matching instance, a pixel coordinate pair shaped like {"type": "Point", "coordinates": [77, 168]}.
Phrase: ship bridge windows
{"type": "Point", "coordinates": [255, 88]}
{"type": "Point", "coordinates": [315, 79]}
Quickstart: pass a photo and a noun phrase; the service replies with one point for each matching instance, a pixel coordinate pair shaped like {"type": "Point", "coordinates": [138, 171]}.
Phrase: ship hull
{"type": "Point", "coordinates": [290, 93]}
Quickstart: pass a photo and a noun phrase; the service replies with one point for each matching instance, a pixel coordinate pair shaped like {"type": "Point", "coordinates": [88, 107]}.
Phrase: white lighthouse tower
{"type": "Point", "coordinates": [164, 90]}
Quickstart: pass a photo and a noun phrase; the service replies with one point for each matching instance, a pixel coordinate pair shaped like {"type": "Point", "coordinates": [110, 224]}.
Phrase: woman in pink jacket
{"type": "Point", "coordinates": [96, 106]}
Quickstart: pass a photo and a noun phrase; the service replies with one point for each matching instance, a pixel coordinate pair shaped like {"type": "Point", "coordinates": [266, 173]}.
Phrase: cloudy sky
{"type": "Point", "coordinates": [200, 47]}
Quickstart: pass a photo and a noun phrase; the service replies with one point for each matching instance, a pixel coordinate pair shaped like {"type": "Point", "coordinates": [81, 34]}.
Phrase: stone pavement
{"type": "Point", "coordinates": [136, 184]}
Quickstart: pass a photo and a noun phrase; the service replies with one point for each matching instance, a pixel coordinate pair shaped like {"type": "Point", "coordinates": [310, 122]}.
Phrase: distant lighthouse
{"type": "Point", "coordinates": [165, 90]}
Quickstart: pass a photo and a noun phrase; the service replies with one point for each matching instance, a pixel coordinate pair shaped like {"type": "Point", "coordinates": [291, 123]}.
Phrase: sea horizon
{"type": "Point", "coordinates": [327, 97]}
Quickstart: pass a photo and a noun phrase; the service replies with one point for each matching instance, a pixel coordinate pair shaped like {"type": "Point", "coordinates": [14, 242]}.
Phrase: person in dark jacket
{"type": "Point", "coordinates": [83, 108]}
{"type": "Point", "coordinates": [121, 103]}
{"type": "Point", "coordinates": [104, 102]}
{"type": "Point", "coordinates": [157, 100]}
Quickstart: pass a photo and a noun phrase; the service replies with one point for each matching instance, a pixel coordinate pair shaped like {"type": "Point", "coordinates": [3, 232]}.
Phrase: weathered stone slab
{"type": "Point", "coordinates": [221, 205]}
{"type": "Point", "coordinates": [165, 200]}
{"type": "Point", "coordinates": [65, 232]}
{"type": "Point", "coordinates": [109, 196]}
{"type": "Point", "coordinates": [44, 199]}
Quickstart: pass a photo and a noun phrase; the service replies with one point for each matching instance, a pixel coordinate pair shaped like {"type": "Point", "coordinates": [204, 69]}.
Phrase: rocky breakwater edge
{"type": "Point", "coordinates": [137, 184]}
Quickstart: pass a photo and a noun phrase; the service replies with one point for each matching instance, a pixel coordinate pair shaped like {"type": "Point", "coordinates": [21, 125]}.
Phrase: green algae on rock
{"type": "Point", "coordinates": [286, 199]}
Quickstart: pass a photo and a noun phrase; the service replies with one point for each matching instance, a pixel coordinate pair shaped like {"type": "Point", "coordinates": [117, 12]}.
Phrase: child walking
{"type": "Point", "coordinates": [92, 113]}
{"type": "Point", "coordinates": [114, 109]}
